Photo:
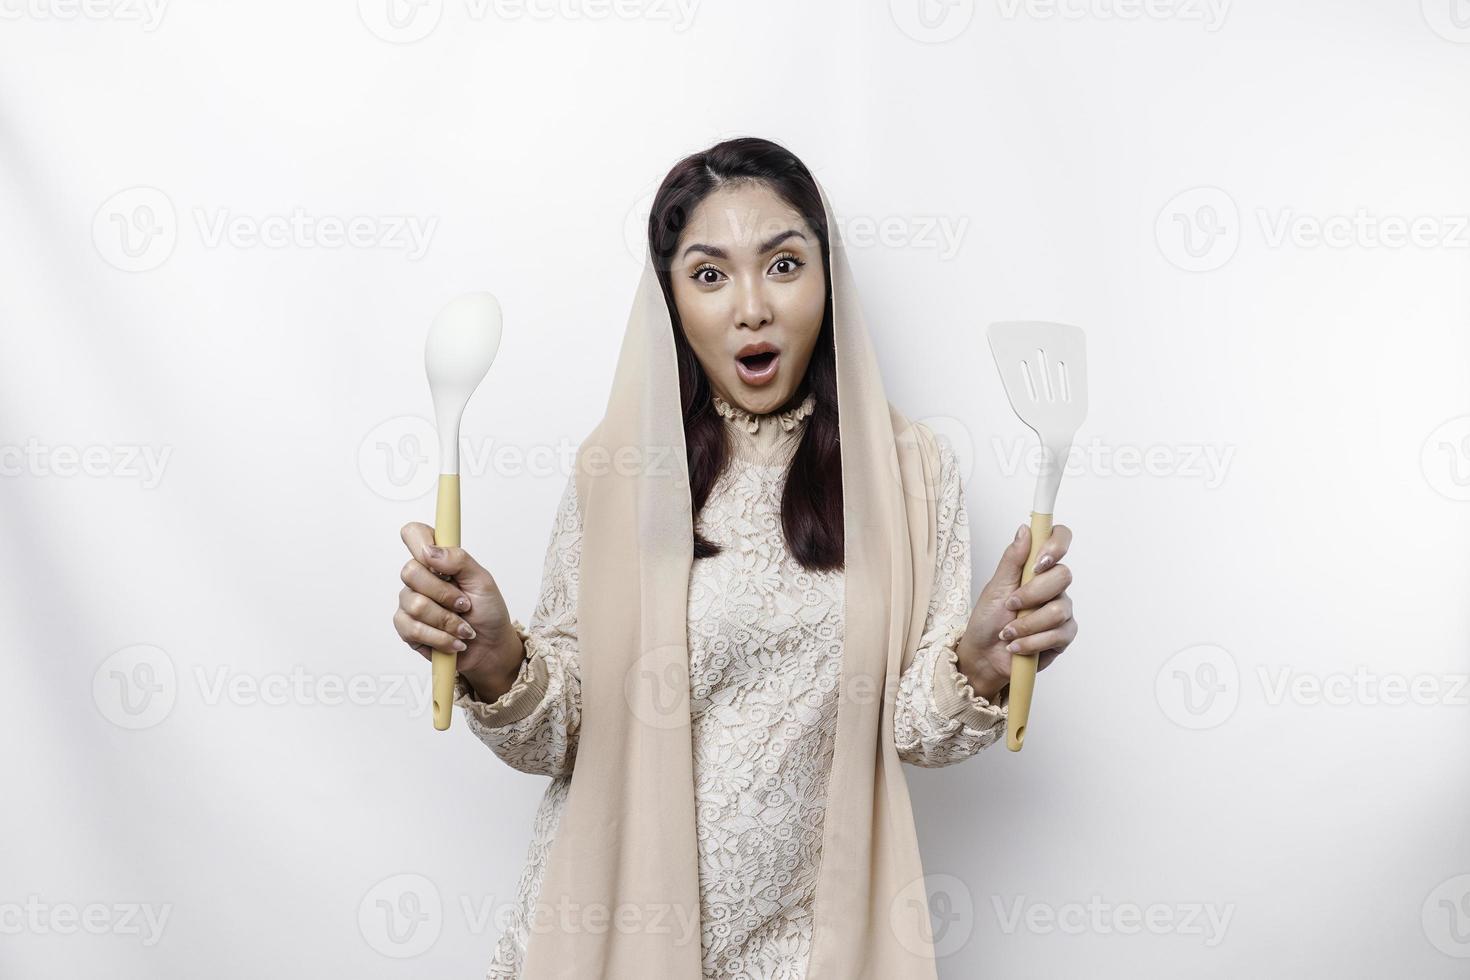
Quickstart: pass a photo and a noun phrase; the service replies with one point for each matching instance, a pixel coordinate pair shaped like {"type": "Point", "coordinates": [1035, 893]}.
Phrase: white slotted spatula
{"type": "Point", "coordinates": [1043, 367]}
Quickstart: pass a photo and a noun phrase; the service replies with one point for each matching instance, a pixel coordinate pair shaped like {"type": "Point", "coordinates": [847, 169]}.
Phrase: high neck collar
{"type": "Point", "coordinates": [790, 419]}
{"type": "Point", "coordinates": [764, 438]}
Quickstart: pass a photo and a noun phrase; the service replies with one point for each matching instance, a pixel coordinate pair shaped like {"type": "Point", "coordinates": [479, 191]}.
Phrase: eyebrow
{"type": "Point", "coordinates": [766, 246]}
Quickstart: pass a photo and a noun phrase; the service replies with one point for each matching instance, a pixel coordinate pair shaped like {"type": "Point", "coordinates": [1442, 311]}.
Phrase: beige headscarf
{"type": "Point", "coordinates": [621, 885]}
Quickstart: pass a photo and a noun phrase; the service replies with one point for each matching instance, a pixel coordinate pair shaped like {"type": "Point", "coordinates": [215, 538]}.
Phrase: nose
{"type": "Point", "coordinates": [752, 306]}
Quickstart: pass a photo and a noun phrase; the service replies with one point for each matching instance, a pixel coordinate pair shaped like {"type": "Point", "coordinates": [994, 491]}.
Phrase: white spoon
{"type": "Point", "coordinates": [463, 340]}
{"type": "Point", "coordinates": [1043, 367]}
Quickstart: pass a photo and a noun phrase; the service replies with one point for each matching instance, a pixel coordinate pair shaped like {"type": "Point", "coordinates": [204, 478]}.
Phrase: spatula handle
{"type": "Point", "coordinates": [1023, 665]}
{"type": "Point", "coordinates": [446, 535]}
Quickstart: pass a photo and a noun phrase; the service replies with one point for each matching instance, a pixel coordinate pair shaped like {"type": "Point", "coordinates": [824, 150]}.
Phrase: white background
{"type": "Point", "coordinates": [1256, 210]}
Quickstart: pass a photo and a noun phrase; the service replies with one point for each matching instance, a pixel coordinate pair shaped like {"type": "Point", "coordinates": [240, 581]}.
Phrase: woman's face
{"type": "Point", "coordinates": [748, 275]}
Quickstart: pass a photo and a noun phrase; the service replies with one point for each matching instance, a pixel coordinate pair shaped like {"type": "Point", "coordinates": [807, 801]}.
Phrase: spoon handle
{"type": "Point", "coordinates": [1023, 665]}
{"type": "Point", "coordinates": [446, 535]}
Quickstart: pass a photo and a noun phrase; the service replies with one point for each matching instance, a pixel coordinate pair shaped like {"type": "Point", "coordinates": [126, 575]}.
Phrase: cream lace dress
{"type": "Point", "coordinates": [765, 647]}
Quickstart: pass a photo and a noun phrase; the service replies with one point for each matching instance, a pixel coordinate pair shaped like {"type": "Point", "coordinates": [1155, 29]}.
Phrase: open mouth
{"type": "Point", "coordinates": [757, 369]}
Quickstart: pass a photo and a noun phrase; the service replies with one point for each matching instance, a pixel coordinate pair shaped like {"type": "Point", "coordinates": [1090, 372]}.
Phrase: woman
{"type": "Point", "coordinates": [753, 607]}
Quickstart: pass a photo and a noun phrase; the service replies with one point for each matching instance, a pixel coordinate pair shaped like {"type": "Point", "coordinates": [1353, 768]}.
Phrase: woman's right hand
{"type": "Point", "coordinates": [450, 602]}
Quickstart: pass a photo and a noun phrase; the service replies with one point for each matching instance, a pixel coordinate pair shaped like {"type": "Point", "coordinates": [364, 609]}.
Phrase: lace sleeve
{"type": "Point", "coordinates": [938, 718]}
{"type": "Point", "coordinates": [533, 726]}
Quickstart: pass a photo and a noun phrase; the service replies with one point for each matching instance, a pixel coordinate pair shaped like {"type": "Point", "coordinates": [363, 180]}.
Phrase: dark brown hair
{"type": "Point", "coordinates": [811, 503]}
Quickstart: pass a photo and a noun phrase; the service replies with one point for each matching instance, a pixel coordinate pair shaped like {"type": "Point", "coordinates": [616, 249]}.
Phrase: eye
{"type": "Point", "coordinates": [697, 273]}
{"type": "Point", "coordinates": [788, 259]}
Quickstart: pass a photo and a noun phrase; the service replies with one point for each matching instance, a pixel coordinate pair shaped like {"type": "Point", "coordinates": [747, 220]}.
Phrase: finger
{"type": "Point", "coordinates": [1041, 589]}
{"type": "Point", "coordinates": [445, 593]}
{"type": "Point", "coordinates": [1049, 616]}
{"type": "Point", "coordinates": [430, 613]}
{"type": "Point", "coordinates": [416, 537]}
{"type": "Point", "coordinates": [1044, 661]}
{"type": "Point", "coordinates": [1045, 640]}
{"type": "Point", "coordinates": [472, 577]}
{"type": "Point", "coordinates": [1012, 559]}
{"type": "Point", "coordinates": [1055, 547]}
{"type": "Point", "coordinates": [414, 631]}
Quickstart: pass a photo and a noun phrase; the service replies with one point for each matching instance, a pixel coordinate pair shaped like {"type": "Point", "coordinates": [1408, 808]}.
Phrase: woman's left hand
{"type": "Point", "coordinates": [1009, 618]}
